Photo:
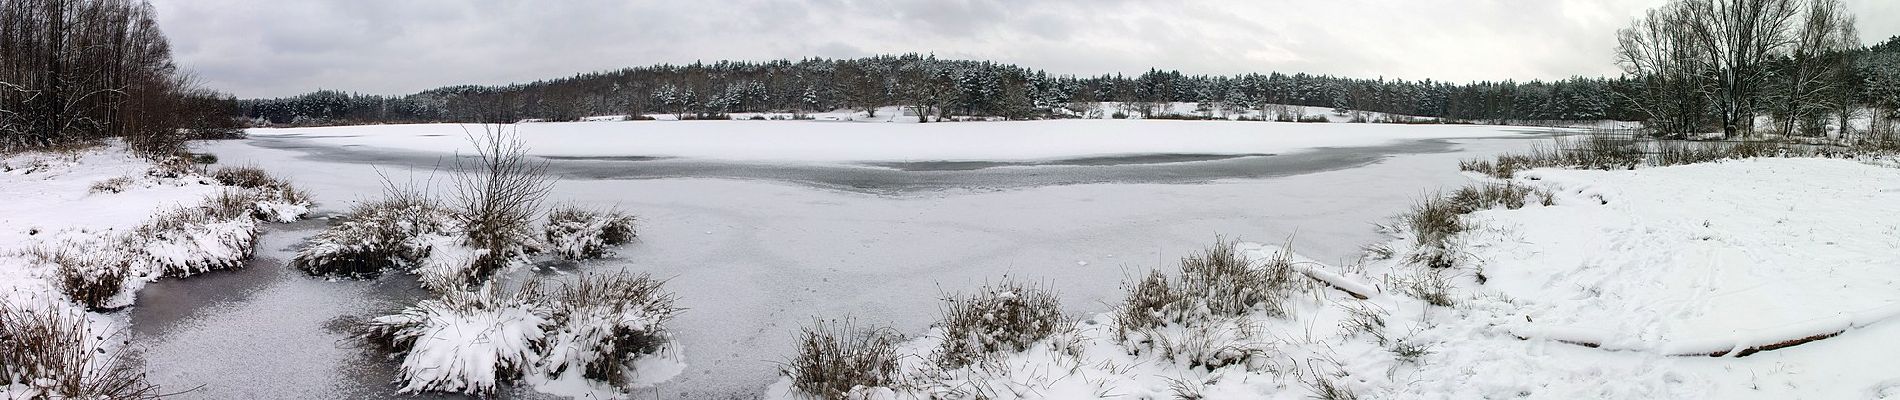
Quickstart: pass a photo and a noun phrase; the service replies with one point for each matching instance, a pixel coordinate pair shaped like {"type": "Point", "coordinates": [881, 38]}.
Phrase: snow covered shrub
{"type": "Point", "coordinates": [91, 278]}
{"type": "Point", "coordinates": [1435, 221]}
{"type": "Point", "coordinates": [397, 232]}
{"type": "Point", "coordinates": [54, 354]}
{"type": "Point", "coordinates": [604, 325]}
{"type": "Point", "coordinates": [1005, 318]}
{"type": "Point", "coordinates": [219, 234]}
{"type": "Point", "coordinates": [575, 234]}
{"type": "Point", "coordinates": [838, 361]}
{"type": "Point", "coordinates": [114, 185]}
{"type": "Point", "coordinates": [273, 200]}
{"type": "Point", "coordinates": [1148, 305]}
{"type": "Point", "coordinates": [1204, 317]}
{"type": "Point", "coordinates": [468, 342]}
{"type": "Point", "coordinates": [244, 177]}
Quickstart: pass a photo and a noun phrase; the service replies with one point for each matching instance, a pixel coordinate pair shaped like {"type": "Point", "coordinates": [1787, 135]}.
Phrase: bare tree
{"type": "Point", "coordinates": [1815, 70]}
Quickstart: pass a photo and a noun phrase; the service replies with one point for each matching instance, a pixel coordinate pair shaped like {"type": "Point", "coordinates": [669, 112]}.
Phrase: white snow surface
{"type": "Point", "coordinates": [1653, 262]}
{"type": "Point", "coordinates": [1700, 252]}
{"type": "Point", "coordinates": [824, 141]}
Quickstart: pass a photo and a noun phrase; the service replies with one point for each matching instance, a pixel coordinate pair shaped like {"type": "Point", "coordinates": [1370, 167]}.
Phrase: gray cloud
{"type": "Point", "coordinates": [257, 49]}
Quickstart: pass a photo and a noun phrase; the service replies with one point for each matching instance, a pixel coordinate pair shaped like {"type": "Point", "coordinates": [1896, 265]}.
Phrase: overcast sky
{"type": "Point", "coordinates": [276, 48]}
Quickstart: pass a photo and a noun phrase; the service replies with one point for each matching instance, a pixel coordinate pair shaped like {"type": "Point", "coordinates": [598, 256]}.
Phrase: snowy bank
{"type": "Point", "coordinates": [1783, 270]}
{"type": "Point", "coordinates": [82, 231]}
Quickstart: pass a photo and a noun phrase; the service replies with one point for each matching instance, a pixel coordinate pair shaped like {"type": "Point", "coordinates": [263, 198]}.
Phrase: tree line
{"type": "Point", "coordinates": [940, 87]}
{"type": "Point", "coordinates": [1802, 88]}
{"type": "Point", "coordinates": [82, 70]}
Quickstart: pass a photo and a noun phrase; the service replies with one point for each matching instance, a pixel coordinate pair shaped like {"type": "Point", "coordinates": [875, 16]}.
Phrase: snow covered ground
{"type": "Point", "coordinates": [836, 142]}
{"type": "Point", "coordinates": [1676, 275]}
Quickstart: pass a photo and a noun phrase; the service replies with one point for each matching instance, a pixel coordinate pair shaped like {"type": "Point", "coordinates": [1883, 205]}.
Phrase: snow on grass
{"type": "Point", "coordinates": [125, 215]}
{"type": "Point", "coordinates": [84, 230]}
{"type": "Point", "coordinates": [574, 233]}
{"type": "Point", "coordinates": [598, 336]}
{"type": "Point", "coordinates": [822, 141]}
{"type": "Point", "coordinates": [469, 342]}
{"type": "Point", "coordinates": [1762, 278]}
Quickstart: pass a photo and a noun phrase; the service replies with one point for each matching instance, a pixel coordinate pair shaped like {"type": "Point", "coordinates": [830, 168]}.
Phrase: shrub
{"type": "Point", "coordinates": [1204, 318]}
{"type": "Point", "coordinates": [573, 233]}
{"type": "Point", "coordinates": [603, 324]}
{"type": "Point", "coordinates": [833, 358]}
{"type": "Point", "coordinates": [389, 234]}
{"type": "Point", "coordinates": [469, 342]}
{"type": "Point", "coordinates": [273, 199]}
{"type": "Point", "coordinates": [497, 198]}
{"type": "Point", "coordinates": [1218, 282]}
{"type": "Point", "coordinates": [1119, 115]}
{"type": "Point", "coordinates": [91, 278]}
{"type": "Point", "coordinates": [52, 354]}
{"type": "Point", "coordinates": [244, 177]}
{"type": "Point", "coordinates": [114, 185]}
{"type": "Point", "coordinates": [1434, 221]}
{"type": "Point", "coordinates": [218, 234]}
{"type": "Point", "coordinates": [1314, 119]}
{"type": "Point", "coordinates": [1004, 318]}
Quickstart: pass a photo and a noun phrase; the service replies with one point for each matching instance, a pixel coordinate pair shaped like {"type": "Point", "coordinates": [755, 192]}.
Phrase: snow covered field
{"type": "Point", "coordinates": [835, 142]}
{"type": "Point", "coordinates": [1673, 301]}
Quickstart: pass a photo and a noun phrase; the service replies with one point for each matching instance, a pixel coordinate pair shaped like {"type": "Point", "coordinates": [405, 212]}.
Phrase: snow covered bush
{"type": "Point", "coordinates": [466, 342]}
{"type": "Point", "coordinates": [608, 330]}
{"type": "Point", "coordinates": [1004, 318]}
{"type": "Point", "coordinates": [575, 234]}
{"type": "Point", "coordinates": [56, 354]}
{"type": "Point", "coordinates": [274, 199]}
{"type": "Point", "coordinates": [1434, 222]}
{"type": "Point", "coordinates": [1203, 317]}
{"type": "Point", "coordinates": [218, 234]}
{"type": "Point", "coordinates": [606, 327]}
{"type": "Point", "coordinates": [92, 278]}
{"type": "Point", "coordinates": [244, 177]}
{"type": "Point", "coordinates": [397, 232]}
{"type": "Point", "coordinates": [114, 185]}
{"type": "Point", "coordinates": [836, 360]}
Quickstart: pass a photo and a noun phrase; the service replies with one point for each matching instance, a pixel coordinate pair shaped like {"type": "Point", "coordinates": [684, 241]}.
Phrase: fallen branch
{"type": "Point", "coordinates": [1742, 344]}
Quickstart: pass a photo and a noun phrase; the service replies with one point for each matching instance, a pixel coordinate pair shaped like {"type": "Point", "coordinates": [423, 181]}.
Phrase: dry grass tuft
{"type": "Point", "coordinates": [90, 278]}
{"type": "Point", "coordinates": [114, 185]}
{"type": "Point", "coordinates": [834, 357]}
{"type": "Point", "coordinates": [1004, 318]}
{"type": "Point", "coordinates": [605, 322]}
{"type": "Point", "coordinates": [48, 354]}
{"type": "Point", "coordinates": [574, 233]}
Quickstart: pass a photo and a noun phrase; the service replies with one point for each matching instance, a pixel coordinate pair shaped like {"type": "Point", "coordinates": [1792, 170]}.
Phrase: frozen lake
{"type": "Point", "coordinates": [759, 245]}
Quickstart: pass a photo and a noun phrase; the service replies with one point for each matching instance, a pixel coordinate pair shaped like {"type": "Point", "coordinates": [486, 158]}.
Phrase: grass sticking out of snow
{"type": "Point", "coordinates": [837, 360]}
{"type": "Point", "coordinates": [92, 278]}
{"type": "Point", "coordinates": [377, 236]}
{"type": "Point", "coordinates": [1007, 317]}
{"type": "Point", "coordinates": [468, 342]}
{"type": "Point", "coordinates": [54, 354]}
{"type": "Point", "coordinates": [575, 233]}
{"type": "Point", "coordinates": [604, 326]}
{"type": "Point", "coordinates": [1204, 318]}
{"type": "Point", "coordinates": [597, 335]}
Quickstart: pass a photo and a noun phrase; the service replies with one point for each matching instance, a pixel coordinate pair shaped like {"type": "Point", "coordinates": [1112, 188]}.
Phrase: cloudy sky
{"type": "Point", "coordinates": [276, 48]}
